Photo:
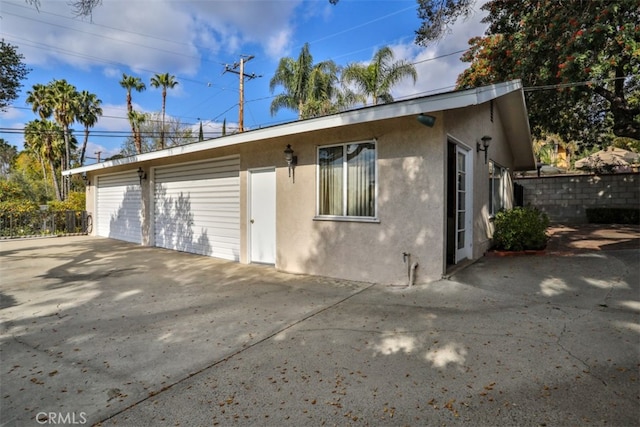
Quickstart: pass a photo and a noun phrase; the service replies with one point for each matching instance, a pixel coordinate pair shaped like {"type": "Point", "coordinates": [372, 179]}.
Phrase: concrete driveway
{"type": "Point", "coordinates": [100, 331]}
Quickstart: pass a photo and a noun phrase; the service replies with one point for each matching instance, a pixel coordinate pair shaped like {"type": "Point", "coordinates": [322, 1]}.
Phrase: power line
{"type": "Point", "coordinates": [103, 36]}
{"type": "Point", "coordinates": [238, 68]}
{"type": "Point", "coordinates": [108, 133]}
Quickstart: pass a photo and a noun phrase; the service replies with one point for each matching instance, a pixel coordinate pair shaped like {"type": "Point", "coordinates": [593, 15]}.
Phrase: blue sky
{"type": "Point", "coordinates": [193, 40]}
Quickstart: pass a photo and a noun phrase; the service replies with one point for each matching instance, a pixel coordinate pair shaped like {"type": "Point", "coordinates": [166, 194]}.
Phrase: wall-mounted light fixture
{"type": "Point", "coordinates": [426, 120]}
{"type": "Point", "coordinates": [292, 160]}
{"type": "Point", "coordinates": [85, 179]}
{"type": "Point", "coordinates": [486, 140]}
{"type": "Point", "coordinates": [142, 175]}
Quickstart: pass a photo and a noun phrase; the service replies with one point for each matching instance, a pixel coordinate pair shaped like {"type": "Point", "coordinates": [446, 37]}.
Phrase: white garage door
{"type": "Point", "coordinates": [118, 213]}
{"type": "Point", "coordinates": [197, 208]}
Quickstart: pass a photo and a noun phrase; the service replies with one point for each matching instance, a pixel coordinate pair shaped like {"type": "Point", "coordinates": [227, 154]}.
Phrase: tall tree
{"type": "Point", "coordinates": [580, 59]}
{"type": "Point", "coordinates": [8, 154]}
{"type": "Point", "coordinates": [46, 138]}
{"type": "Point", "coordinates": [88, 112]}
{"type": "Point", "coordinates": [376, 79]}
{"type": "Point", "coordinates": [58, 99]}
{"type": "Point", "coordinates": [40, 100]}
{"type": "Point", "coordinates": [12, 72]}
{"type": "Point", "coordinates": [303, 81]}
{"type": "Point", "coordinates": [130, 83]}
{"type": "Point", "coordinates": [327, 96]}
{"type": "Point", "coordinates": [136, 119]}
{"type": "Point", "coordinates": [164, 81]}
{"type": "Point", "coordinates": [64, 99]}
{"type": "Point", "coordinates": [149, 134]}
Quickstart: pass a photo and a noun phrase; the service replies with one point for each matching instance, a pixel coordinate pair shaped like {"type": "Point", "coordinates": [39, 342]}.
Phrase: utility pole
{"type": "Point", "coordinates": [234, 69]}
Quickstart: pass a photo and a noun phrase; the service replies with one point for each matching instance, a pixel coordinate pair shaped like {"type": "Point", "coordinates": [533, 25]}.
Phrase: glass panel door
{"type": "Point", "coordinates": [463, 205]}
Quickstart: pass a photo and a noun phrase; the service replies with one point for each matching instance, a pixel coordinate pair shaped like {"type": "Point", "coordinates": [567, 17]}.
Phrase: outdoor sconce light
{"type": "Point", "coordinates": [142, 175]}
{"type": "Point", "coordinates": [85, 179]}
{"type": "Point", "coordinates": [486, 140]}
{"type": "Point", "coordinates": [426, 120]}
{"type": "Point", "coordinates": [292, 160]}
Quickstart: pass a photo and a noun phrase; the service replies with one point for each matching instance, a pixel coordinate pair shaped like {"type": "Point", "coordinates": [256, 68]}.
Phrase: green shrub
{"type": "Point", "coordinates": [75, 202]}
{"type": "Point", "coordinates": [613, 215]}
{"type": "Point", "coordinates": [521, 228]}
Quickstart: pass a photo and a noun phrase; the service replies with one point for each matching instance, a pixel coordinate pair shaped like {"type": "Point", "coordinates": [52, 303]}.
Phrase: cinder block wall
{"type": "Point", "coordinates": [565, 198]}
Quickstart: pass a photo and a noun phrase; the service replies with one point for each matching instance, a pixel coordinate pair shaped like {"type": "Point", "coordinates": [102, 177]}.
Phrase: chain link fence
{"type": "Point", "coordinates": [44, 223]}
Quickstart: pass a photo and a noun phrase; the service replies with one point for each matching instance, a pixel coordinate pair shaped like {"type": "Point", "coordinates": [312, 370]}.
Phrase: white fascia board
{"type": "Point", "coordinates": [439, 102]}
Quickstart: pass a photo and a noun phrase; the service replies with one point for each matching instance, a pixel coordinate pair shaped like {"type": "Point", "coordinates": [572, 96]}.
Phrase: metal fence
{"type": "Point", "coordinates": [44, 223]}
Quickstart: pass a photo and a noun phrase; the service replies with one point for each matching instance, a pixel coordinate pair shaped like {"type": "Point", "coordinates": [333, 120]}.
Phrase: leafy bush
{"type": "Point", "coordinates": [613, 215]}
{"type": "Point", "coordinates": [521, 228]}
{"type": "Point", "coordinates": [75, 202]}
{"type": "Point", "coordinates": [20, 216]}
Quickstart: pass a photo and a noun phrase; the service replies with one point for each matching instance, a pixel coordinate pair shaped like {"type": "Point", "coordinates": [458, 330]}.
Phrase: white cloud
{"type": "Point", "coordinates": [93, 149]}
{"type": "Point", "coordinates": [279, 43]}
{"type": "Point", "coordinates": [252, 20]}
{"type": "Point", "coordinates": [11, 114]}
{"type": "Point", "coordinates": [172, 36]}
{"type": "Point", "coordinates": [114, 117]}
{"type": "Point", "coordinates": [437, 72]}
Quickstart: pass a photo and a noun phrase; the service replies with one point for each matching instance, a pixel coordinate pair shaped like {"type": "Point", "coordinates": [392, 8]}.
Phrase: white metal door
{"type": "Point", "coordinates": [119, 205]}
{"type": "Point", "coordinates": [197, 208]}
{"type": "Point", "coordinates": [262, 216]}
{"type": "Point", "coordinates": [464, 209]}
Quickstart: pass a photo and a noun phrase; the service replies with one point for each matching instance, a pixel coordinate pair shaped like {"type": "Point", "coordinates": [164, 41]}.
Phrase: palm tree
{"type": "Point", "coordinates": [64, 101]}
{"type": "Point", "coordinates": [307, 87]}
{"type": "Point", "coordinates": [45, 138]}
{"type": "Point", "coordinates": [88, 112]}
{"type": "Point", "coordinates": [376, 79]}
{"type": "Point", "coordinates": [165, 81]}
{"type": "Point", "coordinates": [39, 99]}
{"type": "Point", "coordinates": [132, 83]}
{"type": "Point", "coordinates": [136, 119]}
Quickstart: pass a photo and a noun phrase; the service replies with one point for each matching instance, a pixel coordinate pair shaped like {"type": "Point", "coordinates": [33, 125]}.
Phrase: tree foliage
{"type": "Point", "coordinates": [61, 101]}
{"type": "Point", "coordinates": [81, 8]}
{"type": "Point", "coordinates": [45, 140]}
{"type": "Point", "coordinates": [165, 81]}
{"type": "Point", "coordinates": [324, 88]}
{"type": "Point", "coordinates": [375, 80]}
{"type": "Point", "coordinates": [579, 59]}
{"type": "Point", "coordinates": [131, 83]}
{"type": "Point", "coordinates": [89, 111]}
{"type": "Point", "coordinates": [8, 154]}
{"type": "Point", "coordinates": [12, 72]}
{"type": "Point", "coordinates": [304, 83]}
{"type": "Point", "coordinates": [438, 16]}
{"type": "Point", "coordinates": [151, 131]}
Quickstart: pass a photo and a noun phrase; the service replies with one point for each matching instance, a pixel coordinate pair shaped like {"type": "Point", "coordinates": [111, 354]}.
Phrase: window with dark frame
{"type": "Point", "coordinates": [347, 180]}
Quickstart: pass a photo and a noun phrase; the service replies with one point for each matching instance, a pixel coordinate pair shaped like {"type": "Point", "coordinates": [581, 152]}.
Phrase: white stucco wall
{"type": "Point", "coordinates": [469, 125]}
{"type": "Point", "coordinates": [410, 209]}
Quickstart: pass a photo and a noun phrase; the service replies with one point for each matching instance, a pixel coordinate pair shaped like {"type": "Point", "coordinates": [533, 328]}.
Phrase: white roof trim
{"type": "Point", "coordinates": [439, 102]}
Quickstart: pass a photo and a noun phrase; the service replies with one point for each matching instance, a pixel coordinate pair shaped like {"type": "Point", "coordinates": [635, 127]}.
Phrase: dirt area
{"type": "Point", "coordinates": [593, 237]}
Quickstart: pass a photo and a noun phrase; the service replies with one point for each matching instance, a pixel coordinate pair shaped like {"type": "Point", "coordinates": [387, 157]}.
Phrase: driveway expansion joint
{"type": "Point", "coordinates": [236, 353]}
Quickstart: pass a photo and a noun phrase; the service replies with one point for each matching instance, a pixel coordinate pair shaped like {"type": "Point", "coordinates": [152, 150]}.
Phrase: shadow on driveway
{"type": "Point", "coordinates": [118, 334]}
